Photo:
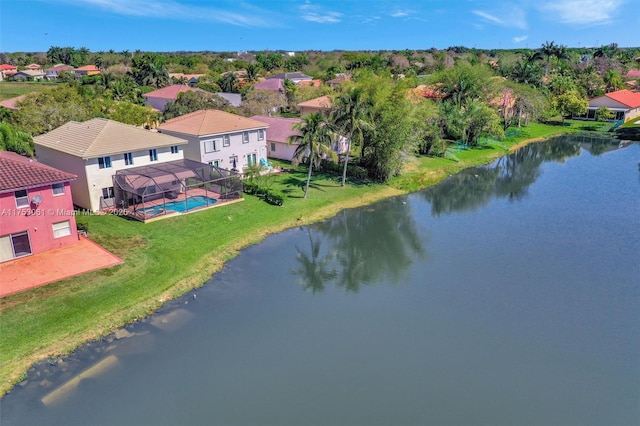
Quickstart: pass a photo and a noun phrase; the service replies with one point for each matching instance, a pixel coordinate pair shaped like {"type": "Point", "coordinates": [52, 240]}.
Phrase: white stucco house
{"type": "Point", "coordinates": [625, 104]}
{"type": "Point", "coordinates": [94, 150]}
{"type": "Point", "coordinates": [225, 140]}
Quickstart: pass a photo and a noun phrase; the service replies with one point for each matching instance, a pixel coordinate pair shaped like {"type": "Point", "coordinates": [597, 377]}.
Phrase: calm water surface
{"type": "Point", "coordinates": [509, 294]}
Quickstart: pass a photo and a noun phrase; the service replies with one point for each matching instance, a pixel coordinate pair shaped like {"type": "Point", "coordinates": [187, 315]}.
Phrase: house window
{"type": "Point", "coordinates": [107, 193]}
{"type": "Point", "coordinates": [57, 189]}
{"type": "Point", "coordinates": [245, 137]}
{"type": "Point", "coordinates": [251, 159]}
{"type": "Point", "coordinates": [210, 146]}
{"type": "Point", "coordinates": [175, 149]}
{"type": "Point", "coordinates": [61, 229]}
{"type": "Point", "coordinates": [104, 162]}
{"type": "Point", "coordinates": [226, 140]}
{"type": "Point", "coordinates": [153, 155]}
{"type": "Point", "coordinates": [273, 147]}
{"type": "Point", "coordinates": [22, 198]}
{"type": "Point", "coordinates": [260, 135]}
{"type": "Point", "coordinates": [128, 159]}
{"type": "Point", "coordinates": [14, 245]}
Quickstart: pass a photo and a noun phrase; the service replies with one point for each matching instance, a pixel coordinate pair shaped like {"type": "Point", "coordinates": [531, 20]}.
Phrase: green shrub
{"type": "Point", "coordinates": [275, 198]}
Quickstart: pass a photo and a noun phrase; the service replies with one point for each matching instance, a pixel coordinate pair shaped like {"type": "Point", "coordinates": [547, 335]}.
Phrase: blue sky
{"type": "Point", "coordinates": [221, 25]}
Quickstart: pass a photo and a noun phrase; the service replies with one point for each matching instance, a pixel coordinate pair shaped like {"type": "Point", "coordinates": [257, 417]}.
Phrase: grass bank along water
{"type": "Point", "coordinates": [165, 259]}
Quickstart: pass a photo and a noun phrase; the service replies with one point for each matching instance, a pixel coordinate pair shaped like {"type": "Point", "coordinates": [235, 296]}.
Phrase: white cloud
{"type": "Point", "coordinates": [326, 18]}
{"type": "Point", "coordinates": [520, 39]}
{"type": "Point", "coordinates": [509, 16]}
{"type": "Point", "coordinates": [313, 13]}
{"type": "Point", "coordinates": [583, 12]}
{"type": "Point", "coordinates": [399, 13]}
{"type": "Point", "coordinates": [169, 9]}
{"type": "Point", "coordinates": [488, 17]}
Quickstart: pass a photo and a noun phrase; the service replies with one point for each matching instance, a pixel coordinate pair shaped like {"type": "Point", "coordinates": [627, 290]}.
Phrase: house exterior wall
{"type": "Point", "coordinates": [304, 110]}
{"type": "Point", "coordinates": [87, 188]}
{"type": "Point", "coordinates": [38, 220]}
{"type": "Point", "coordinates": [612, 105]}
{"type": "Point", "coordinates": [157, 103]}
{"type": "Point", "coordinates": [282, 151]}
{"type": "Point", "coordinates": [195, 150]}
{"type": "Point", "coordinates": [71, 164]}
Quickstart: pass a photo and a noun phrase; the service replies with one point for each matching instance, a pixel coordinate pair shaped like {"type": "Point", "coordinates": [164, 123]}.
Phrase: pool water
{"type": "Point", "coordinates": [182, 205]}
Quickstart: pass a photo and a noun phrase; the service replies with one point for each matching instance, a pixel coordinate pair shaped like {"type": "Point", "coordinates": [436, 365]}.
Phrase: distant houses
{"type": "Point", "coordinates": [158, 99]}
{"type": "Point", "coordinates": [34, 72]}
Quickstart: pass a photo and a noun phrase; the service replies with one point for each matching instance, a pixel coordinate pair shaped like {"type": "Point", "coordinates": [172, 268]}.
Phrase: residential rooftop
{"type": "Point", "coordinates": [99, 137]}
{"type": "Point", "coordinates": [210, 122]}
{"type": "Point", "coordinates": [18, 172]}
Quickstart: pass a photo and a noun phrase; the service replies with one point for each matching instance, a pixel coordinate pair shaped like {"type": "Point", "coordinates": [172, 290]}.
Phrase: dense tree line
{"type": "Point", "coordinates": [476, 94]}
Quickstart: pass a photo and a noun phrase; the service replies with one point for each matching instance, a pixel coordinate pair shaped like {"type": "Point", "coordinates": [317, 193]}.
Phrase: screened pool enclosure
{"type": "Point", "coordinates": [174, 187]}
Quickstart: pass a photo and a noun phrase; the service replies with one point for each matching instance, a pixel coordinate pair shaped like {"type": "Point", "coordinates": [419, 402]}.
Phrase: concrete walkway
{"type": "Point", "coordinates": [44, 268]}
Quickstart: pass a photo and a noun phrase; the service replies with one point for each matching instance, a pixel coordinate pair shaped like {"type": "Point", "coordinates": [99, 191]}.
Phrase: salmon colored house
{"type": "Point", "coordinates": [36, 210]}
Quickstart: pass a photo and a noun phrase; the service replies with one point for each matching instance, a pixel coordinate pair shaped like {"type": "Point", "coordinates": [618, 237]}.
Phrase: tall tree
{"type": "Point", "coordinates": [150, 70]}
{"type": "Point", "coordinates": [549, 49]}
{"type": "Point", "coordinates": [14, 140]}
{"type": "Point", "coordinates": [351, 115]}
{"type": "Point", "coordinates": [313, 140]}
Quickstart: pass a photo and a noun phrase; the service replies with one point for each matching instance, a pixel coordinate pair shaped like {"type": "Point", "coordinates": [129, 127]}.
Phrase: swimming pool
{"type": "Point", "coordinates": [182, 205]}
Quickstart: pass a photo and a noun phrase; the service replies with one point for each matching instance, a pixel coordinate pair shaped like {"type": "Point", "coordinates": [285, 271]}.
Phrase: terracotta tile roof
{"type": "Point", "coordinates": [321, 102]}
{"type": "Point", "coordinates": [11, 103]}
{"type": "Point", "coordinates": [625, 97]}
{"type": "Point", "coordinates": [33, 67]}
{"type": "Point", "coordinates": [99, 137]}
{"type": "Point", "coordinates": [171, 92]}
{"type": "Point", "coordinates": [313, 83]}
{"type": "Point", "coordinates": [279, 127]}
{"type": "Point", "coordinates": [633, 74]}
{"type": "Point", "coordinates": [210, 122]}
{"type": "Point", "coordinates": [427, 92]}
{"type": "Point", "coordinates": [5, 67]}
{"type": "Point", "coordinates": [18, 172]}
{"type": "Point", "coordinates": [88, 68]}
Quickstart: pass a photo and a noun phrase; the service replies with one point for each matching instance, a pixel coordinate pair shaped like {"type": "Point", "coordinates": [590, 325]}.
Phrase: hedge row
{"type": "Point", "coordinates": [275, 198]}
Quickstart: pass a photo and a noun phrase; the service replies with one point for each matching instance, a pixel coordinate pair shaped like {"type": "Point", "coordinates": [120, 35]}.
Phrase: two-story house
{"type": "Point", "coordinates": [94, 150]}
{"type": "Point", "coordinates": [36, 206]}
{"type": "Point", "coordinates": [225, 140]}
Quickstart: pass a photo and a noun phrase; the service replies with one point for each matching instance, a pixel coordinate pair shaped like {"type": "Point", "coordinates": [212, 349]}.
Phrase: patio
{"type": "Point", "coordinates": [39, 269]}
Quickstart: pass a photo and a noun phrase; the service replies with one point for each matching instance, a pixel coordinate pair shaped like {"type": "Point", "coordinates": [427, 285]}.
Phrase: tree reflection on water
{"type": "Point", "coordinates": [508, 177]}
{"type": "Point", "coordinates": [367, 246]}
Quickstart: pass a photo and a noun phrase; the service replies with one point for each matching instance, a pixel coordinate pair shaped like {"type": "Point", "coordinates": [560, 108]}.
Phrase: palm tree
{"type": "Point", "coordinates": [548, 49]}
{"type": "Point", "coordinates": [351, 116]}
{"type": "Point", "coordinates": [314, 142]}
{"type": "Point", "coordinates": [253, 72]}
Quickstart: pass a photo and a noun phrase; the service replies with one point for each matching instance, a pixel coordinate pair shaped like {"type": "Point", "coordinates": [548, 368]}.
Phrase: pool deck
{"type": "Point", "coordinates": [154, 210]}
{"type": "Point", "coordinates": [44, 268]}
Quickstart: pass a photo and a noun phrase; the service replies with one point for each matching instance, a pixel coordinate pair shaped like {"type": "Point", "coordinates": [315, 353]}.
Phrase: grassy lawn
{"type": "Point", "coordinates": [9, 89]}
{"type": "Point", "coordinates": [167, 258]}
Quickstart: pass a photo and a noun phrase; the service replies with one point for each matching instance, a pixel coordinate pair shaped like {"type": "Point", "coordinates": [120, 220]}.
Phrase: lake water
{"type": "Point", "coordinates": [509, 294]}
